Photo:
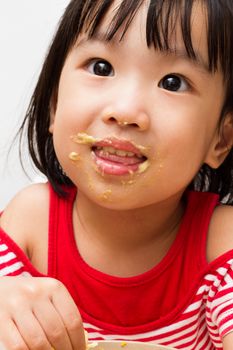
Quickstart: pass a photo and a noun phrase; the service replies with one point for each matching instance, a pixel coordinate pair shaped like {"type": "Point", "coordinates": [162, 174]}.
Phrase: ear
{"type": "Point", "coordinates": [221, 143]}
{"type": "Point", "coordinates": [53, 106]}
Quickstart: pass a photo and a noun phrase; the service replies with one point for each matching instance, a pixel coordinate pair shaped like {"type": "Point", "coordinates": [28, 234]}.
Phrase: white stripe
{"type": "Point", "coordinates": [25, 274]}
{"type": "Point", "coordinates": [228, 279]}
{"type": "Point", "coordinates": [89, 325]}
{"type": "Point", "coordinates": [222, 300]}
{"type": "Point", "coordinates": [9, 269]}
{"type": "Point", "coordinates": [184, 341]}
{"type": "Point", "coordinates": [194, 306]}
{"type": "Point", "coordinates": [3, 247]}
{"type": "Point", "coordinates": [211, 295]}
{"type": "Point", "coordinates": [225, 326]}
{"type": "Point", "coordinates": [226, 287]}
{"type": "Point", "coordinates": [223, 315]}
{"type": "Point", "coordinates": [210, 277]}
{"type": "Point", "coordinates": [222, 271]}
{"type": "Point", "coordinates": [202, 289]}
{"type": "Point", "coordinates": [6, 258]}
{"type": "Point", "coordinates": [218, 308]}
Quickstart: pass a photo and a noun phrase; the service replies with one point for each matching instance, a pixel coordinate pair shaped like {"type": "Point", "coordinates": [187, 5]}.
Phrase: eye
{"type": "Point", "coordinates": [100, 67]}
{"type": "Point", "coordinates": [174, 82]}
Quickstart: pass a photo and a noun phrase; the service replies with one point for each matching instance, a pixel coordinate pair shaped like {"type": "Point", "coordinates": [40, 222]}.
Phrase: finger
{"type": "Point", "coordinates": [10, 338]}
{"type": "Point", "coordinates": [31, 331]}
{"type": "Point", "coordinates": [71, 318]}
{"type": "Point", "coordinates": [53, 326]}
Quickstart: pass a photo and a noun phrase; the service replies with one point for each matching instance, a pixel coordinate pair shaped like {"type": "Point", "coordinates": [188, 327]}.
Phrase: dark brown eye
{"type": "Point", "coordinates": [173, 82]}
{"type": "Point", "coordinates": [101, 68]}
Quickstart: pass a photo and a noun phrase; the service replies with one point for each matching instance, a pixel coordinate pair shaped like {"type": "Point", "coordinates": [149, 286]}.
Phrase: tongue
{"type": "Point", "coordinates": [115, 168]}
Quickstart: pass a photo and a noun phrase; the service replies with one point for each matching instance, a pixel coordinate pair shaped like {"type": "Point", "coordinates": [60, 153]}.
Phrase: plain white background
{"type": "Point", "coordinates": [26, 29]}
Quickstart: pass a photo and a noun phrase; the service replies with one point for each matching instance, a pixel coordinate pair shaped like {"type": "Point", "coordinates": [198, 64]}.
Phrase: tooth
{"type": "Point", "coordinates": [103, 152]}
{"type": "Point", "coordinates": [108, 149]}
{"type": "Point", "coordinates": [111, 150]}
{"type": "Point", "coordinates": [130, 154]}
{"type": "Point", "coordinates": [121, 153]}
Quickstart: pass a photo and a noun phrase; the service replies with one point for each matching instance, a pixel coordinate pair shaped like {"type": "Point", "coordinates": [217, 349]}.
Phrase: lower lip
{"type": "Point", "coordinates": [109, 167]}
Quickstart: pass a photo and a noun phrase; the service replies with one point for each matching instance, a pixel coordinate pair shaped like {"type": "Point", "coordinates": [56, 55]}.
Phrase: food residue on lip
{"type": "Point", "coordinates": [143, 167]}
{"type": "Point", "coordinates": [83, 138]}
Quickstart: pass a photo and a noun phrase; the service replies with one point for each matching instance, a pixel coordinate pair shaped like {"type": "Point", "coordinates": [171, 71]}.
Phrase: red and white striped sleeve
{"type": "Point", "coordinates": [220, 301]}
{"type": "Point", "coordinates": [13, 261]}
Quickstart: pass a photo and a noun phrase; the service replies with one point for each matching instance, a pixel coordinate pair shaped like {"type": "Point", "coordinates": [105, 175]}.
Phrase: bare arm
{"type": "Point", "coordinates": [25, 220]}
{"type": "Point", "coordinates": [35, 312]}
{"type": "Point", "coordinates": [228, 342]}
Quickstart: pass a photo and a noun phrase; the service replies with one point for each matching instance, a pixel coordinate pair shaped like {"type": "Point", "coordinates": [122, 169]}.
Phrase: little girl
{"type": "Point", "coordinates": [132, 123]}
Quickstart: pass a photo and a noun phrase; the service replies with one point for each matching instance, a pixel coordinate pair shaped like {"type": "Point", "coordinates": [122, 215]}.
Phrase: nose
{"type": "Point", "coordinates": [127, 109]}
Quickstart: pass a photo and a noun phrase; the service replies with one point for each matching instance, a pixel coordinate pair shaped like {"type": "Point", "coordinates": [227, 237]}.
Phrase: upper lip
{"type": "Point", "coordinates": [120, 144]}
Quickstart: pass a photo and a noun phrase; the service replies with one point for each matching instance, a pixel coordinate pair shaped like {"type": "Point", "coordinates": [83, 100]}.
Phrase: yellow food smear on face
{"type": "Point", "coordinates": [130, 182]}
{"type": "Point", "coordinates": [74, 156]}
{"type": "Point", "coordinates": [143, 167]}
{"type": "Point", "coordinates": [90, 183]}
{"type": "Point", "coordinates": [106, 195]}
{"type": "Point", "coordinates": [83, 138]}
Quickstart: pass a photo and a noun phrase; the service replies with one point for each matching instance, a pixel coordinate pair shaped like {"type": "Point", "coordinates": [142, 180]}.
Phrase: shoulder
{"type": "Point", "coordinates": [26, 216]}
{"type": "Point", "coordinates": [220, 235]}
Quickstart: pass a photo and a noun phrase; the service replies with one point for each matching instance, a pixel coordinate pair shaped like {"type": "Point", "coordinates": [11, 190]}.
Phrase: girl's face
{"type": "Point", "coordinates": [132, 125]}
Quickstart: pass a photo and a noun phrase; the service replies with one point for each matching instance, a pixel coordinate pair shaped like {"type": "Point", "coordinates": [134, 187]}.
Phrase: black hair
{"type": "Point", "coordinates": [162, 16]}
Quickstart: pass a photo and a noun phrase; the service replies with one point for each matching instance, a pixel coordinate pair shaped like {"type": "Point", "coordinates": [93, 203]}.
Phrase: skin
{"type": "Point", "coordinates": [131, 103]}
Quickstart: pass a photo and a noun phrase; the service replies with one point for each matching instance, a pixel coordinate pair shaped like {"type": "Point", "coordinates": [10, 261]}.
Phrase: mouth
{"type": "Point", "coordinates": [119, 158]}
{"type": "Point", "coordinates": [114, 156]}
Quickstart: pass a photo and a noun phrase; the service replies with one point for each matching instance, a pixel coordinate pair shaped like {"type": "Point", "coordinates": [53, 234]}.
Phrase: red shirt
{"type": "Point", "coordinates": [183, 301]}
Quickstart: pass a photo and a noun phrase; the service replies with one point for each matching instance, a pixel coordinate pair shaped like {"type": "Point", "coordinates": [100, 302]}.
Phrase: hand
{"type": "Point", "coordinates": [38, 313]}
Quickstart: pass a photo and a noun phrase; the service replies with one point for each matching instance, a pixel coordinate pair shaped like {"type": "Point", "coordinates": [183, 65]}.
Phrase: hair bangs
{"type": "Point", "coordinates": [94, 14]}
{"type": "Point", "coordinates": [163, 18]}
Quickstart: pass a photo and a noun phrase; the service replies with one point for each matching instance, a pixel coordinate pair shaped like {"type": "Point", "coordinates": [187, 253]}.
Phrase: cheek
{"type": "Point", "coordinates": [74, 112]}
{"type": "Point", "coordinates": [183, 144]}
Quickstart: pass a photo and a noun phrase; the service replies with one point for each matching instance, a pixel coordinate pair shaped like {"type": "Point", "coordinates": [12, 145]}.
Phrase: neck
{"type": "Point", "coordinates": [139, 235]}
